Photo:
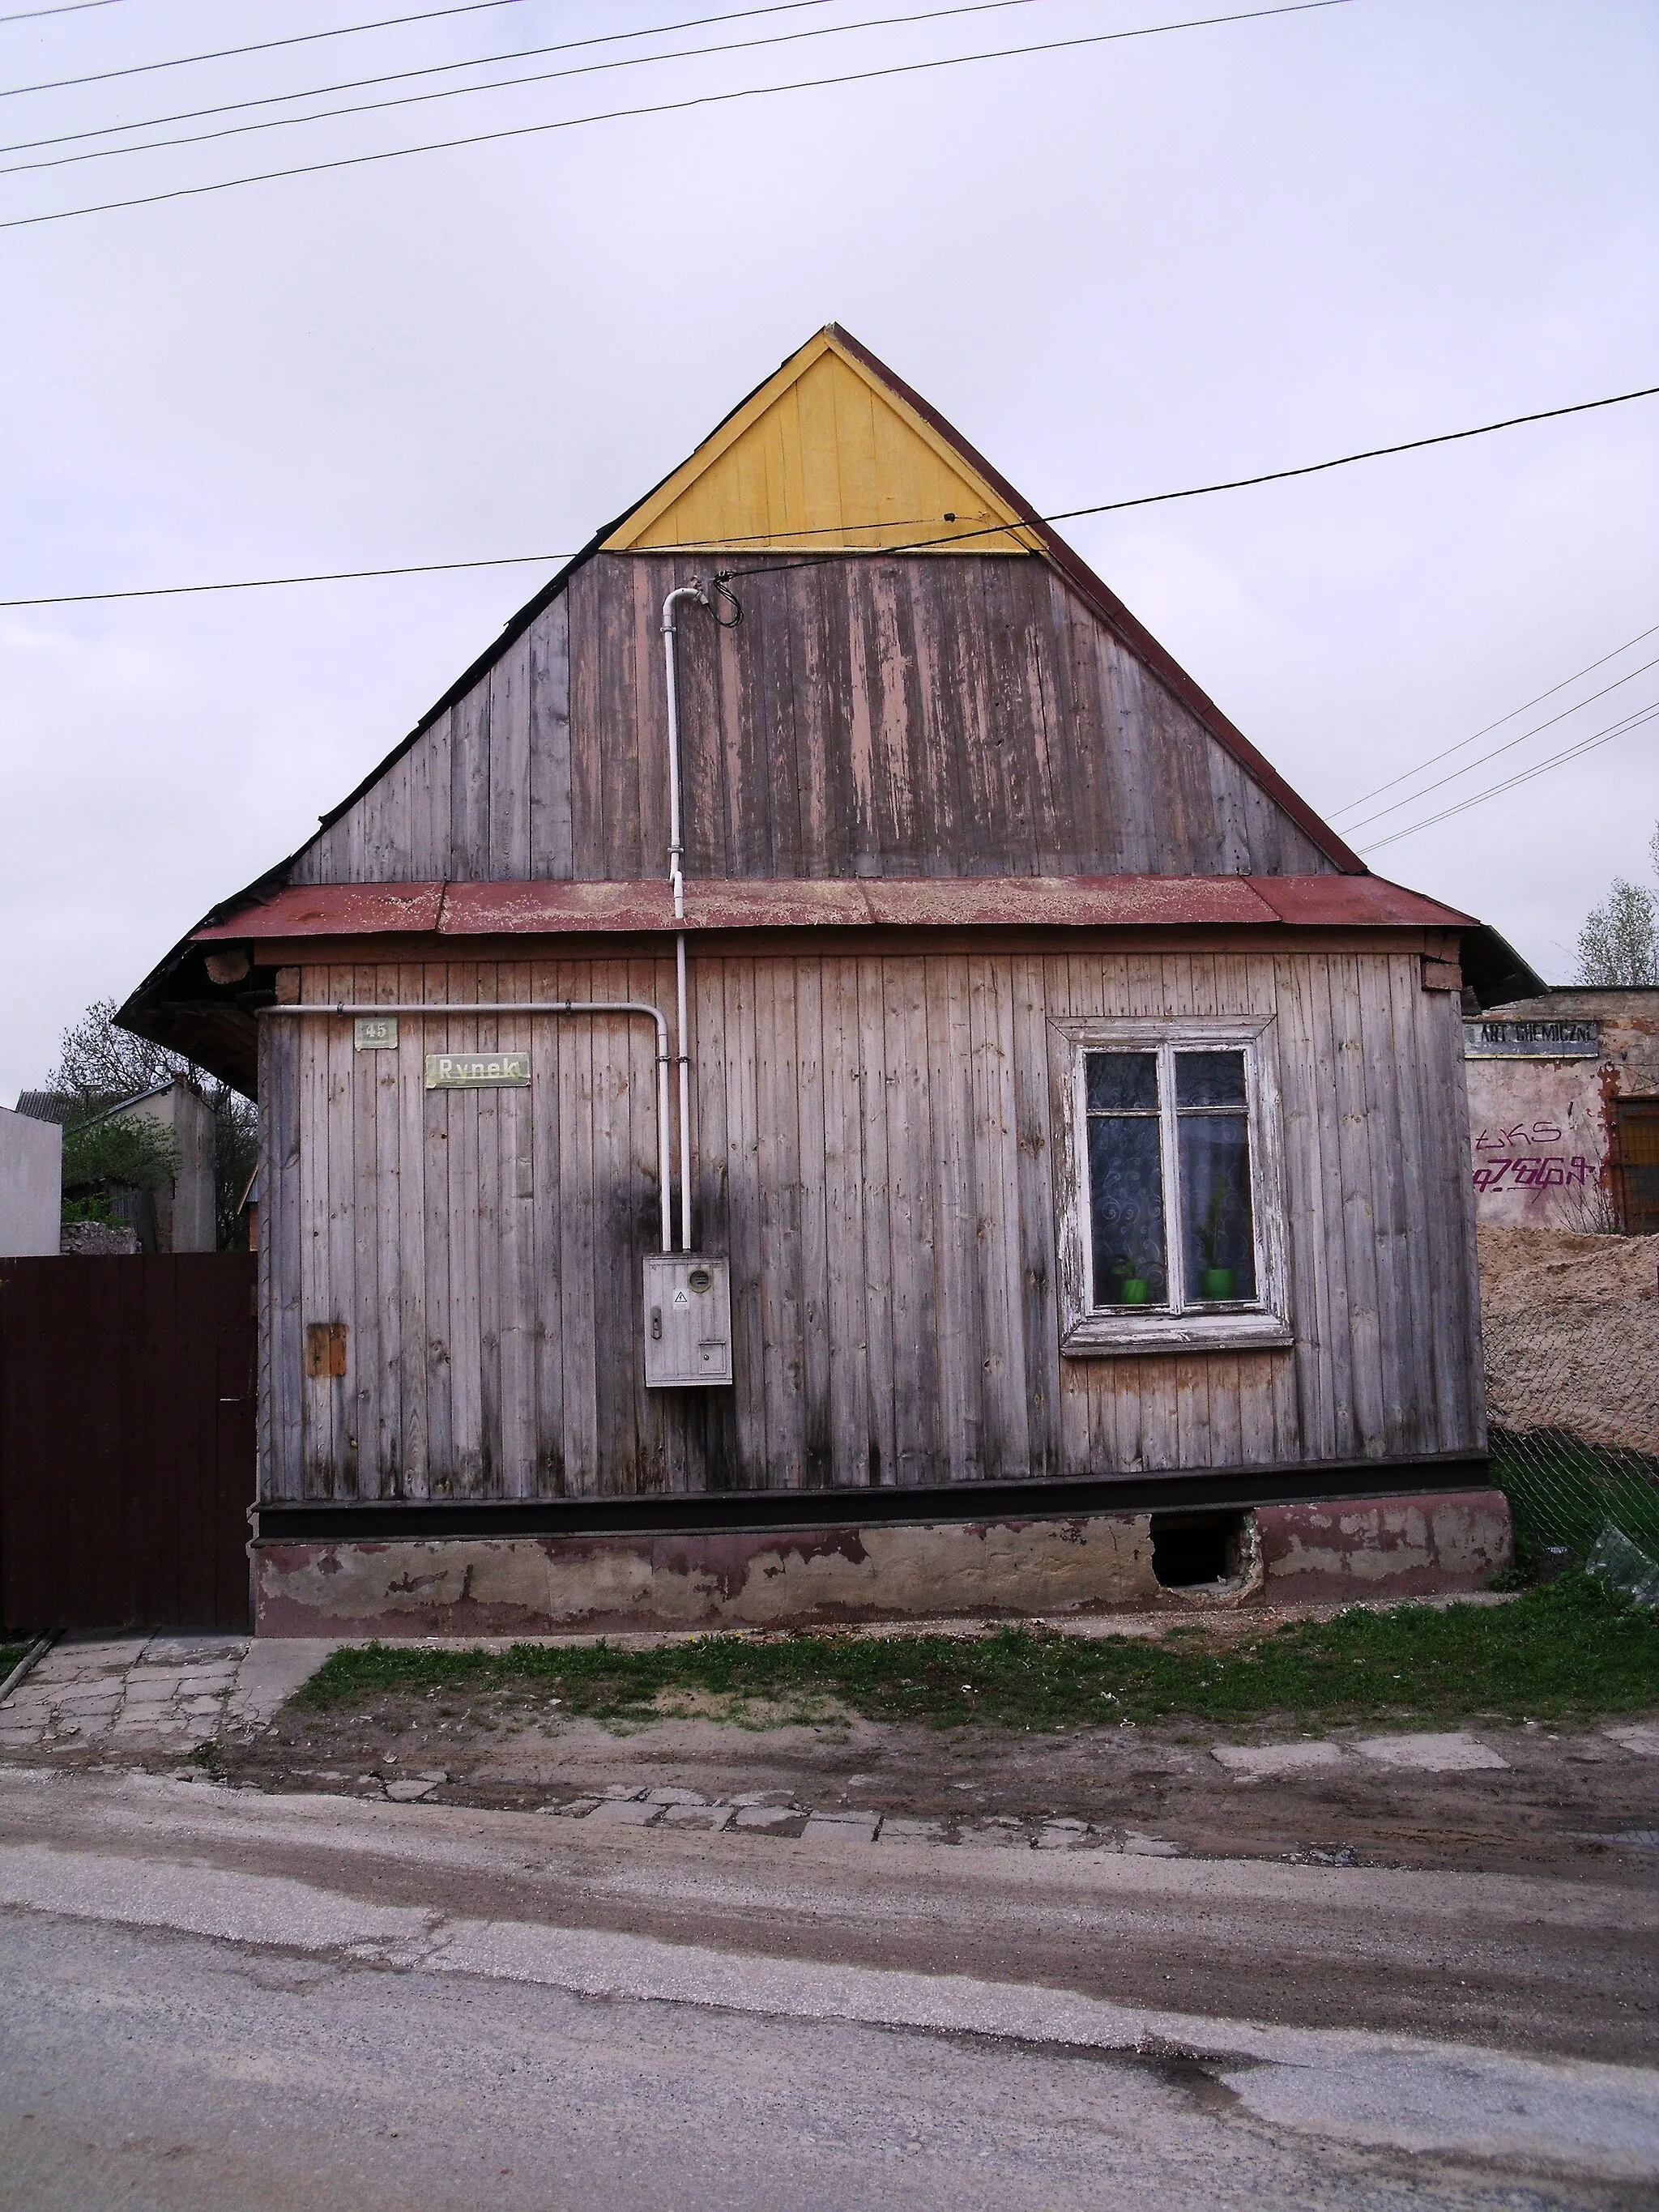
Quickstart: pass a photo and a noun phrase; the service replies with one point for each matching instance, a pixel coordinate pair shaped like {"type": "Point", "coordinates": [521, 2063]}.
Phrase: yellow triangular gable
{"type": "Point", "coordinates": [824, 458]}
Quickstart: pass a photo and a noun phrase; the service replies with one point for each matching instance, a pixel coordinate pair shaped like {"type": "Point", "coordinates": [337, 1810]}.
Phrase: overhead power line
{"type": "Point", "coordinates": [1109, 507]}
{"type": "Point", "coordinates": [403, 76]}
{"type": "Point", "coordinates": [508, 84]}
{"type": "Point", "coordinates": [1434, 759]}
{"type": "Point", "coordinates": [261, 47]}
{"type": "Point", "coordinates": [65, 8]}
{"type": "Point", "coordinates": [1508, 746]}
{"type": "Point", "coordinates": [670, 107]}
{"type": "Point", "coordinates": [1574, 752]}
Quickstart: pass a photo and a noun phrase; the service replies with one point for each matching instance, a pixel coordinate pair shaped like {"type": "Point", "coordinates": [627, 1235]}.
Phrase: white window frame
{"type": "Point", "coordinates": [1263, 1321]}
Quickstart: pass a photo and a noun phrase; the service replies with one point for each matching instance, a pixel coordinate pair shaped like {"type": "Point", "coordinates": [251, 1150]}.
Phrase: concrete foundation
{"type": "Point", "coordinates": [771, 1578]}
{"type": "Point", "coordinates": [1385, 1546]}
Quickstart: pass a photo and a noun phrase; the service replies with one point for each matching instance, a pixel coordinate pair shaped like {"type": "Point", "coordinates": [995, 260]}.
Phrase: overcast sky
{"type": "Point", "coordinates": [1119, 269]}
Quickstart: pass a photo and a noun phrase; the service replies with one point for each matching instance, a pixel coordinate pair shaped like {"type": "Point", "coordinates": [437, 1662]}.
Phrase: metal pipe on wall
{"type": "Point", "coordinates": [677, 879]}
{"type": "Point", "coordinates": [640, 1008]}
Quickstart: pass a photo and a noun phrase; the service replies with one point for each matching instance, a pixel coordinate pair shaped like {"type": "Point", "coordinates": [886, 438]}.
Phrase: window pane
{"type": "Point", "coordinates": [1215, 1197]}
{"type": "Point", "coordinates": [1120, 1080]}
{"type": "Point", "coordinates": [1125, 1201]}
{"type": "Point", "coordinates": [1209, 1079]}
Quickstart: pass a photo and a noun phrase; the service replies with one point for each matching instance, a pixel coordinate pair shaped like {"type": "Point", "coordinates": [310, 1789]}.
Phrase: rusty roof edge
{"type": "Point", "coordinates": [1133, 634]}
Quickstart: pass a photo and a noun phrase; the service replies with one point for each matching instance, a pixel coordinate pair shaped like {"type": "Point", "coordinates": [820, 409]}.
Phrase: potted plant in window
{"type": "Point", "coordinates": [1214, 1280]}
{"type": "Point", "coordinates": [1133, 1288]}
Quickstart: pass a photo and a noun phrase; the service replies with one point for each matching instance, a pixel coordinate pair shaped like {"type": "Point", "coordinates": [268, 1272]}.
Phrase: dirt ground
{"type": "Point", "coordinates": [1570, 1325]}
{"type": "Point", "coordinates": [1574, 1801]}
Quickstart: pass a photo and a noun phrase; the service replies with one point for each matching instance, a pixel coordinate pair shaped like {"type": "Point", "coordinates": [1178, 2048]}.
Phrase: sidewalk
{"type": "Point", "coordinates": [144, 1693]}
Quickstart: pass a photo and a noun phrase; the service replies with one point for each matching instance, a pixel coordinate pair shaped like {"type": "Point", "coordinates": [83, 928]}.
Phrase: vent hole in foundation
{"type": "Point", "coordinates": [1189, 1551]}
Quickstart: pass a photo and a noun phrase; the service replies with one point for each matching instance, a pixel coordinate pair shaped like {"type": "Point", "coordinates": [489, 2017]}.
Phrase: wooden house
{"type": "Point", "coordinates": [826, 1077]}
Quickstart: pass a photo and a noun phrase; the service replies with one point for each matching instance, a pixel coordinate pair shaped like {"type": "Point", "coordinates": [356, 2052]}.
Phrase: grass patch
{"type": "Point", "coordinates": [1566, 1652]}
{"type": "Point", "coordinates": [10, 1656]}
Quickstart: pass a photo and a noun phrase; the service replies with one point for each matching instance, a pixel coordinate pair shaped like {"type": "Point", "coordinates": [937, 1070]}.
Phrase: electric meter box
{"type": "Point", "coordinates": [688, 1321]}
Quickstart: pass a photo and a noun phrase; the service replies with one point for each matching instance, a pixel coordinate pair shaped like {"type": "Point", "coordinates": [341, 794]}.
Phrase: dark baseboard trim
{"type": "Point", "coordinates": [711, 1512]}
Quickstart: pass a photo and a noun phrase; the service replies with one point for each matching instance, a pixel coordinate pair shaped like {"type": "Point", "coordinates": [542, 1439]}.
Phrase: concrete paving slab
{"type": "Point", "coordinates": [842, 1827]}
{"type": "Point", "coordinates": [763, 1817]}
{"type": "Point", "coordinates": [1457, 1753]}
{"type": "Point", "coordinates": [272, 1670]}
{"type": "Point", "coordinates": [712, 1817]}
{"type": "Point", "coordinates": [625, 1812]}
{"type": "Point", "coordinates": [1639, 1736]}
{"type": "Point", "coordinates": [1257, 1762]}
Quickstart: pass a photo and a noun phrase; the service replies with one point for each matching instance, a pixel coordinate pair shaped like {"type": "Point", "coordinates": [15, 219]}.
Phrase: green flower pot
{"type": "Point", "coordinates": [1216, 1283]}
{"type": "Point", "coordinates": [1135, 1289]}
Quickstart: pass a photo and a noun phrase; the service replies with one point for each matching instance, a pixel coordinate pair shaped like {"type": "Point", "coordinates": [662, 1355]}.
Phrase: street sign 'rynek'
{"type": "Point", "coordinates": [478, 1071]}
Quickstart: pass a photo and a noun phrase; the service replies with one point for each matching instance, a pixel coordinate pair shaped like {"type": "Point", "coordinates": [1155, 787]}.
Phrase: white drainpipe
{"type": "Point", "coordinates": [677, 879]}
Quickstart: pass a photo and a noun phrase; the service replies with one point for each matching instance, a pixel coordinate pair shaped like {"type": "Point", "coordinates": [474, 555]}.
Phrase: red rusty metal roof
{"type": "Point", "coordinates": [558, 910]}
{"type": "Point", "coordinates": [332, 910]}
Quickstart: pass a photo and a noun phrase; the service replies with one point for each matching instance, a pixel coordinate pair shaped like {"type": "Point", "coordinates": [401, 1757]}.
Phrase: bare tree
{"type": "Point", "coordinates": [99, 1064]}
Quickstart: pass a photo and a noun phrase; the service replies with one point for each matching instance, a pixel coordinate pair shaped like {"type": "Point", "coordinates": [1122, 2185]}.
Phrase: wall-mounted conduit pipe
{"type": "Point", "coordinates": [638, 1009]}
{"type": "Point", "coordinates": [676, 880]}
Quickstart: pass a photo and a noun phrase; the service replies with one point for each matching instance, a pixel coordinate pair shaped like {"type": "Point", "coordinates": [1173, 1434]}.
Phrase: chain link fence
{"type": "Point", "coordinates": [1565, 1492]}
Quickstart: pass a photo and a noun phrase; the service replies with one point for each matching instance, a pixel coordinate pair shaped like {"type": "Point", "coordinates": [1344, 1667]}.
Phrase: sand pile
{"type": "Point", "coordinates": [1572, 1330]}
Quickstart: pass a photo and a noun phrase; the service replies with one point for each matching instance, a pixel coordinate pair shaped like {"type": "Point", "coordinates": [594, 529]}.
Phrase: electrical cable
{"type": "Point", "coordinates": [1643, 714]}
{"type": "Point", "coordinates": [668, 107]}
{"type": "Point", "coordinates": [67, 8]}
{"type": "Point", "coordinates": [402, 76]}
{"type": "Point", "coordinates": [1406, 774]}
{"type": "Point", "coordinates": [263, 47]}
{"type": "Point", "coordinates": [508, 84]}
{"type": "Point", "coordinates": [1508, 746]}
{"type": "Point", "coordinates": [520, 559]}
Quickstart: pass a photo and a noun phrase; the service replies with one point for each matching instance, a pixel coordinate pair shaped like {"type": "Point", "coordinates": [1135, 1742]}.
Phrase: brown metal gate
{"type": "Point", "coordinates": [126, 1441]}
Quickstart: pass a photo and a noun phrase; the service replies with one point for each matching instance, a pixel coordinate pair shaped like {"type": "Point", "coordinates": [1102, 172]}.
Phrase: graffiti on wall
{"type": "Point", "coordinates": [1518, 1159]}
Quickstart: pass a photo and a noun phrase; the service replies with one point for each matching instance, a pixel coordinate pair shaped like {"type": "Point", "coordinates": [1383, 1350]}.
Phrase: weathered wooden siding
{"type": "Point", "coordinates": [948, 716]}
{"type": "Point", "coordinates": [875, 1134]}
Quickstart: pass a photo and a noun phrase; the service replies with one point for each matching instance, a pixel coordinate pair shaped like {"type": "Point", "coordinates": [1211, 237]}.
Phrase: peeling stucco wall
{"type": "Point", "coordinates": [1540, 1128]}
{"type": "Point", "coordinates": [506, 1586]}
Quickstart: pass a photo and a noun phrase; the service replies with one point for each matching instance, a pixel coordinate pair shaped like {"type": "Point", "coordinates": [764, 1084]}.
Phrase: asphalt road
{"type": "Point", "coordinates": [224, 1999]}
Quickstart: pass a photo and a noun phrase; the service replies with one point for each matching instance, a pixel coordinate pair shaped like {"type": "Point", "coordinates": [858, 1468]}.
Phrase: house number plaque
{"type": "Point", "coordinates": [375, 1033]}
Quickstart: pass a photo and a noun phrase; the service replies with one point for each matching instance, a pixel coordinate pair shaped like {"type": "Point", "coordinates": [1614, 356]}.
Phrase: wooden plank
{"type": "Point", "coordinates": [468, 785]}
{"type": "Point", "coordinates": [749, 1343]}
{"type": "Point", "coordinates": [316, 1290]}
{"type": "Point", "coordinates": [614, 1293]}
{"type": "Point", "coordinates": [914, 1226]}
{"type": "Point", "coordinates": [1400, 1315]}
{"type": "Point", "coordinates": [491, 1200]}
{"type": "Point", "coordinates": [957, 1317]}
{"type": "Point", "coordinates": [1323, 1412]}
{"type": "Point", "coordinates": [1005, 1443]}
{"type": "Point", "coordinates": [1034, 1198]}
{"type": "Point", "coordinates": [550, 790]}
{"type": "Point", "coordinates": [340, 1166]}
{"type": "Point", "coordinates": [438, 1031]}
{"type": "Point", "coordinates": [466, 1199]}
{"type": "Point", "coordinates": [281, 1469]}
{"type": "Point", "coordinates": [1336, 988]}
{"type": "Point", "coordinates": [644, 983]}
{"type": "Point", "coordinates": [510, 771]}
{"type": "Point", "coordinates": [578, 1197]}
{"type": "Point", "coordinates": [407, 1265]}
{"type": "Point", "coordinates": [777, 1174]}
{"type": "Point", "coordinates": [516, 1307]}
{"type": "Point", "coordinates": [811, 1172]}
{"type": "Point", "coordinates": [370, 1193]}
{"type": "Point", "coordinates": [547, 1286]}
{"type": "Point", "coordinates": [882, 1451]}
{"type": "Point", "coordinates": [847, 1332]}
